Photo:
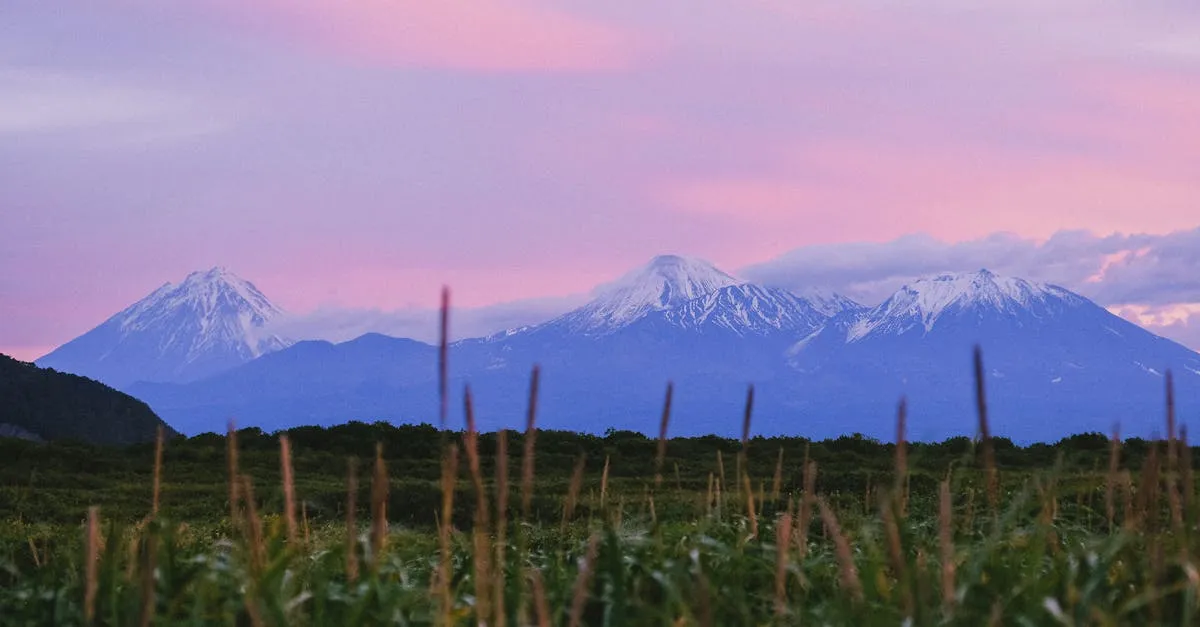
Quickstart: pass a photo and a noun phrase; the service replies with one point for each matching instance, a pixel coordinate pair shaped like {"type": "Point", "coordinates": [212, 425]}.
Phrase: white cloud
{"type": "Point", "coordinates": [339, 324]}
{"type": "Point", "coordinates": [1153, 280]}
{"type": "Point", "coordinates": [39, 102]}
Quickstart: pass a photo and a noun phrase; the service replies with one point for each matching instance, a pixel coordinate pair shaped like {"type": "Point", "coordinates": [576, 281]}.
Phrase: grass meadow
{"type": "Point", "coordinates": [374, 524]}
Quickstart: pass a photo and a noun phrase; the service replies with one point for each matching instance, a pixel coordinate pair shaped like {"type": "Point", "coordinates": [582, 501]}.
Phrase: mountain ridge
{"type": "Point", "coordinates": [821, 363]}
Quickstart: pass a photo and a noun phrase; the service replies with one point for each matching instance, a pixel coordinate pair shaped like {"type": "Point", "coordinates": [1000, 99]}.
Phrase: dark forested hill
{"type": "Point", "coordinates": [53, 405]}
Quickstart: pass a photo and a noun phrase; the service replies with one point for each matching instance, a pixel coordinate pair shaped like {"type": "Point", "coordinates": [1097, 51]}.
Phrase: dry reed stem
{"type": "Point", "coordinates": [481, 533]}
{"type": "Point", "coordinates": [704, 598]}
{"type": "Point", "coordinates": [304, 518]}
{"type": "Point", "coordinates": [718, 500]}
{"type": "Point", "coordinates": [996, 617]}
{"type": "Point", "coordinates": [253, 526]}
{"type": "Point", "coordinates": [777, 480]}
{"type": "Point", "coordinates": [604, 484]}
{"type": "Point", "coordinates": [444, 358]}
{"type": "Point", "coordinates": [148, 598]}
{"type": "Point", "coordinates": [662, 436]}
{"type": "Point", "coordinates": [1114, 466]}
{"type": "Point", "coordinates": [149, 562]}
{"type": "Point", "coordinates": [231, 455]}
{"type": "Point", "coordinates": [1148, 492]}
{"type": "Point", "coordinates": [741, 457]}
{"type": "Point", "coordinates": [1170, 389]}
{"type": "Point", "coordinates": [583, 581]}
{"type": "Point", "coordinates": [1172, 473]}
{"type": "Point", "coordinates": [708, 496]}
{"type": "Point", "coordinates": [449, 480]}
{"type": "Point", "coordinates": [1185, 460]}
{"type": "Point", "coordinates": [501, 525]}
{"type": "Point", "coordinates": [946, 542]}
{"type": "Point", "coordinates": [527, 459]}
{"type": "Point", "coordinates": [1130, 517]}
{"type": "Point", "coordinates": [37, 560]}
{"type": "Point", "coordinates": [723, 480]}
{"type": "Point", "coordinates": [922, 566]}
{"type": "Point", "coordinates": [91, 564]}
{"type": "Point", "coordinates": [989, 457]}
{"type": "Point", "coordinates": [806, 502]}
{"type": "Point", "coordinates": [541, 608]}
{"type": "Point", "coordinates": [351, 520]}
{"type": "Point", "coordinates": [901, 462]}
{"type": "Point", "coordinates": [847, 571]}
{"type": "Point", "coordinates": [289, 488]}
{"type": "Point", "coordinates": [896, 552]}
{"type": "Point", "coordinates": [158, 466]}
{"type": "Point", "coordinates": [379, 499]}
{"type": "Point", "coordinates": [750, 513]}
{"type": "Point", "coordinates": [574, 489]}
{"type": "Point", "coordinates": [783, 542]}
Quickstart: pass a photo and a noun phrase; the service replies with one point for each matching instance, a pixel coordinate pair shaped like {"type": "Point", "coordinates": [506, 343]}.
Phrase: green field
{"type": "Point", "coordinates": [618, 529]}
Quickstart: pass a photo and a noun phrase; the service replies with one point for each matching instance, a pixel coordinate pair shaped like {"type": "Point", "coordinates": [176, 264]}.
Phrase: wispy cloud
{"type": "Point", "coordinates": [40, 102]}
{"type": "Point", "coordinates": [338, 324]}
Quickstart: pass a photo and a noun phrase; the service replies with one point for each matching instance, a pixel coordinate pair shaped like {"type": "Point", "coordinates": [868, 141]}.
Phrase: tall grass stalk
{"type": "Point", "coordinates": [379, 500]}
{"type": "Point", "coordinates": [481, 533]}
{"type": "Point", "coordinates": [289, 488]}
{"type": "Point", "coordinates": [351, 520]}
{"type": "Point", "coordinates": [847, 571]}
{"type": "Point", "coordinates": [498, 573]}
{"type": "Point", "coordinates": [91, 564]}
{"type": "Point", "coordinates": [985, 433]}
{"type": "Point", "coordinates": [661, 450]}
{"type": "Point", "coordinates": [158, 468]}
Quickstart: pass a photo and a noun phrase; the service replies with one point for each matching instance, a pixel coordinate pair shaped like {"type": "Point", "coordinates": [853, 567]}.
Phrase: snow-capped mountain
{"type": "Point", "coordinates": [822, 365]}
{"type": "Point", "coordinates": [605, 363]}
{"type": "Point", "coordinates": [1058, 362]}
{"type": "Point", "coordinates": [747, 309]}
{"type": "Point", "coordinates": [918, 306]}
{"type": "Point", "coordinates": [683, 293]}
{"type": "Point", "coordinates": [211, 321]}
{"type": "Point", "coordinates": [668, 281]}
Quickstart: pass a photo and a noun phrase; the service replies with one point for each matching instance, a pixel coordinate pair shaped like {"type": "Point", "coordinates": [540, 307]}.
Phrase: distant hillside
{"type": "Point", "coordinates": [45, 404]}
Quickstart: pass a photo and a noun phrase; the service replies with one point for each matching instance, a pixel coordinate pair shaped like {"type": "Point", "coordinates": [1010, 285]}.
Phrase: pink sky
{"type": "Point", "coordinates": [360, 155]}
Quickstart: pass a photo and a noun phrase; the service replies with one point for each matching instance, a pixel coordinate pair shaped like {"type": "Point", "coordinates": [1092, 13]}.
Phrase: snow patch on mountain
{"type": "Point", "coordinates": [227, 311]}
{"type": "Point", "coordinates": [666, 282]}
{"type": "Point", "coordinates": [922, 303]}
{"type": "Point", "coordinates": [749, 309]}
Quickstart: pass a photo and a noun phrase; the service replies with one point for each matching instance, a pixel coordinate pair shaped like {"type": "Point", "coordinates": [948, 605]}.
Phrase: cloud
{"type": "Point", "coordinates": [342, 324]}
{"type": "Point", "coordinates": [1178, 322]}
{"type": "Point", "coordinates": [1150, 279]}
{"type": "Point", "coordinates": [40, 102]}
{"type": "Point", "coordinates": [1162, 271]}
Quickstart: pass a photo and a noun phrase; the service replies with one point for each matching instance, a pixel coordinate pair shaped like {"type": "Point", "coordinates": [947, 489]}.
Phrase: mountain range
{"type": "Point", "coordinates": [822, 365]}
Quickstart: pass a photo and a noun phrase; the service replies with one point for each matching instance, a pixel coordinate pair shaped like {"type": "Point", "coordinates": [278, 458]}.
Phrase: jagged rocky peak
{"type": "Point", "coordinates": [749, 309]}
{"type": "Point", "coordinates": [924, 301]}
